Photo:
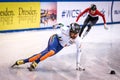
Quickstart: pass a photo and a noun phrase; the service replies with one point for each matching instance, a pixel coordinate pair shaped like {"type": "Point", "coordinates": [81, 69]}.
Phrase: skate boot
{"type": "Point", "coordinates": [80, 68]}
{"type": "Point", "coordinates": [84, 34]}
{"type": "Point", "coordinates": [19, 62]}
{"type": "Point", "coordinates": [32, 66]}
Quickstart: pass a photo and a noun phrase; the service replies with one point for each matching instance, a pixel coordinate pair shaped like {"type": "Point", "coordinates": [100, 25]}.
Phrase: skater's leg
{"type": "Point", "coordinates": [82, 29]}
{"type": "Point", "coordinates": [88, 29]}
{"type": "Point", "coordinates": [84, 25]}
{"type": "Point", "coordinates": [23, 61]}
{"type": "Point", "coordinates": [43, 57]}
{"type": "Point", "coordinates": [94, 21]}
{"type": "Point", "coordinates": [91, 23]}
{"type": "Point", "coordinates": [50, 53]}
{"type": "Point", "coordinates": [53, 47]}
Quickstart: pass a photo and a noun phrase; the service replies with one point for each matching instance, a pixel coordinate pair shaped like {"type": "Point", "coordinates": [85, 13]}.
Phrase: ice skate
{"type": "Point", "coordinates": [32, 66]}
{"type": "Point", "coordinates": [19, 62]}
{"type": "Point", "coordinates": [84, 34]}
{"type": "Point", "coordinates": [80, 68]}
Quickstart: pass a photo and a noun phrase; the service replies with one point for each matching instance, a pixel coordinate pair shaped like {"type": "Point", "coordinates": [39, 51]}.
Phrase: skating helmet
{"type": "Point", "coordinates": [93, 7]}
{"type": "Point", "coordinates": [74, 28]}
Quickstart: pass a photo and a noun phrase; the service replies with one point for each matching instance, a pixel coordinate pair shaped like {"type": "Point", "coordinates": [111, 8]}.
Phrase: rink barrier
{"type": "Point", "coordinates": [49, 27]}
{"type": "Point", "coordinates": [45, 28]}
{"type": "Point", "coordinates": [53, 0]}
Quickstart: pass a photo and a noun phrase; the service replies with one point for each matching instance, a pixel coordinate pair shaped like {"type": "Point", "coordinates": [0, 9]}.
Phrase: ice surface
{"type": "Point", "coordinates": [100, 48]}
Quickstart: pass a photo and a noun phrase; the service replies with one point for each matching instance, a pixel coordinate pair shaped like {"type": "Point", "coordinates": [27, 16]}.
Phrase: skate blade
{"type": "Point", "coordinates": [79, 69]}
{"type": "Point", "coordinates": [13, 65]}
{"type": "Point", "coordinates": [30, 69]}
{"type": "Point", "coordinates": [83, 37]}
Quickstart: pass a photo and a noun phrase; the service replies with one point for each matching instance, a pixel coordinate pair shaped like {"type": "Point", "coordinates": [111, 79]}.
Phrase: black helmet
{"type": "Point", "coordinates": [93, 7]}
{"type": "Point", "coordinates": [74, 28]}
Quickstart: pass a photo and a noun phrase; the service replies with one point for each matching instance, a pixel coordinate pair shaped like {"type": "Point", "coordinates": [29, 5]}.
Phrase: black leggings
{"type": "Point", "coordinates": [89, 21]}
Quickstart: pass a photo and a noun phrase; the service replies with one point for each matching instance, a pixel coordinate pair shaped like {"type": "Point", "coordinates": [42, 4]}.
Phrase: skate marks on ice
{"type": "Point", "coordinates": [49, 70]}
{"type": "Point", "coordinates": [98, 61]}
{"type": "Point", "coordinates": [53, 68]}
{"type": "Point", "coordinates": [63, 68]}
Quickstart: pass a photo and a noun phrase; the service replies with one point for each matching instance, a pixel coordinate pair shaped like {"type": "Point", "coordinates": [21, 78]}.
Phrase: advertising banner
{"type": "Point", "coordinates": [48, 13]}
{"type": "Point", "coordinates": [116, 11]}
{"type": "Point", "coordinates": [19, 15]}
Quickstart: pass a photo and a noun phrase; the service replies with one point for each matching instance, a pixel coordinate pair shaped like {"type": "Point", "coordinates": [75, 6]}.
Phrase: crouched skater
{"type": "Point", "coordinates": [68, 35]}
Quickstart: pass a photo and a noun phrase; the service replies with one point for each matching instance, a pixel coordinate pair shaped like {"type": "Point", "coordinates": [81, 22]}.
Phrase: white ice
{"type": "Point", "coordinates": [100, 48]}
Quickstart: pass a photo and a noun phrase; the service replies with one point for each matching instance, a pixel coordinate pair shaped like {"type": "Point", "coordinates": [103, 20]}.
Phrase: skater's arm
{"type": "Point", "coordinates": [86, 10]}
{"type": "Point", "coordinates": [103, 17]}
{"type": "Point", "coordinates": [105, 27]}
{"type": "Point", "coordinates": [58, 25]}
{"type": "Point", "coordinates": [78, 55]}
{"type": "Point", "coordinates": [78, 45]}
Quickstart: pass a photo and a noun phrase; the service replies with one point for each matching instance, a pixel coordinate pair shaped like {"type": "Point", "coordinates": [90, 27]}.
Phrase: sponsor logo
{"type": "Point", "coordinates": [74, 13]}
{"type": "Point", "coordinates": [70, 13]}
{"type": "Point", "coordinates": [30, 11]}
{"type": "Point", "coordinates": [6, 16]}
{"type": "Point", "coordinates": [7, 12]}
{"type": "Point", "coordinates": [14, 15]}
{"type": "Point", "coordinates": [116, 12]}
{"type": "Point", "coordinates": [27, 15]}
{"type": "Point", "coordinates": [102, 11]}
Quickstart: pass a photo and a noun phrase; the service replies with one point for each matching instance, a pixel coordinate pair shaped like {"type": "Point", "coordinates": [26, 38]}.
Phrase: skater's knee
{"type": "Point", "coordinates": [83, 27]}
{"type": "Point", "coordinates": [50, 53]}
{"type": "Point", "coordinates": [88, 30]}
{"type": "Point", "coordinates": [89, 27]}
{"type": "Point", "coordinates": [34, 58]}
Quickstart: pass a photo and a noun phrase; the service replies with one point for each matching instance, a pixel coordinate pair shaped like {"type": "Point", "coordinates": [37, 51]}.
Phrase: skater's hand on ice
{"type": "Point", "coordinates": [58, 25]}
{"type": "Point", "coordinates": [105, 27]}
{"type": "Point", "coordinates": [54, 26]}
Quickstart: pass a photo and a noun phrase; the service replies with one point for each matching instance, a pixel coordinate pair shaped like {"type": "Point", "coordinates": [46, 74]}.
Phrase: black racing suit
{"type": "Point", "coordinates": [89, 21]}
